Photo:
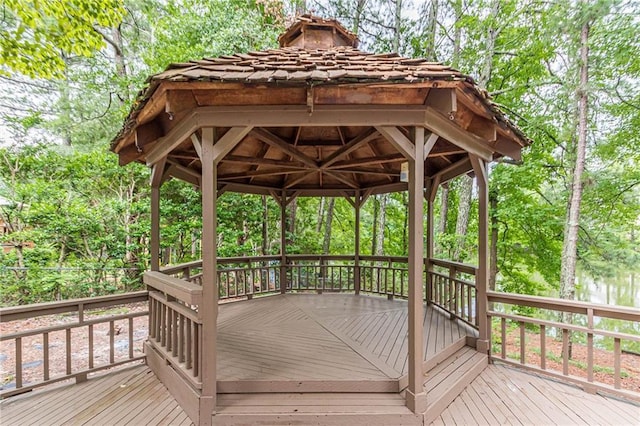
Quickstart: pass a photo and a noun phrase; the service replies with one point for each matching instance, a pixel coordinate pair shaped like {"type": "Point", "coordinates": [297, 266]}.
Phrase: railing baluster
{"type": "Point", "coordinates": [189, 349]}
{"type": "Point", "coordinates": [130, 338]}
{"type": "Point", "coordinates": [543, 347]}
{"type": "Point", "coordinates": [616, 362]}
{"type": "Point", "coordinates": [174, 331]}
{"type": "Point", "coordinates": [112, 336]}
{"type": "Point", "coordinates": [90, 345]}
{"type": "Point", "coordinates": [68, 345]}
{"type": "Point", "coordinates": [45, 356]}
{"type": "Point", "coordinates": [503, 337]}
{"type": "Point", "coordinates": [523, 343]}
{"type": "Point", "coordinates": [18, 362]}
{"type": "Point", "coordinates": [565, 351]}
{"type": "Point", "coordinates": [590, 346]}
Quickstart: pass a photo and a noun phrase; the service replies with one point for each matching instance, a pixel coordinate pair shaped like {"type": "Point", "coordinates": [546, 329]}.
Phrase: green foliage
{"type": "Point", "coordinates": [36, 36]}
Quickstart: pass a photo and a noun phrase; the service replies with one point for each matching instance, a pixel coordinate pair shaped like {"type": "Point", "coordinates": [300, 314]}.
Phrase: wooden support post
{"type": "Point", "coordinates": [356, 266]}
{"type": "Point", "coordinates": [416, 397]}
{"type": "Point", "coordinates": [482, 276]}
{"type": "Point", "coordinates": [430, 195]}
{"type": "Point", "coordinates": [209, 308]}
{"type": "Point", "coordinates": [283, 242]}
{"type": "Point", "coordinates": [155, 228]}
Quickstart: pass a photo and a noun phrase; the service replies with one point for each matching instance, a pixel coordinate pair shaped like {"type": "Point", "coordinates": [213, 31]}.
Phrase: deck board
{"type": "Point", "coordinates": [321, 337]}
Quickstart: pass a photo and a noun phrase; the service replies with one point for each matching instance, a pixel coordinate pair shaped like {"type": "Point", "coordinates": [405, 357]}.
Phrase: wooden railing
{"type": "Point", "coordinates": [175, 325]}
{"type": "Point", "coordinates": [320, 273]}
{"type": "Point", "coordinates": [563, 350]}
{"type": "Point", "coordinates": [451, 287]}
{"type": "Point", "coordinates": [70, 349]}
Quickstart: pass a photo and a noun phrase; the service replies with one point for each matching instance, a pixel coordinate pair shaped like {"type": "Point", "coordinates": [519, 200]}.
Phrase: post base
{"type": "Point", "coordinates": [416, 402]}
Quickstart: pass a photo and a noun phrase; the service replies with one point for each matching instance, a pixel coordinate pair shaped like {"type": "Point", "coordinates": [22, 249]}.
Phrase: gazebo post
{"type": "Point", "coordinates": [430, 194]}
{"type": "Point", "coordinates": [415, 396]}
{"type": "Point", "coordinates": [356, 270]}
{"type": "Point", "coordinates": [482, 276]}
{"type": "Point", "coordinates": [209, 309]}
{"type": "Point", "coordinates": [283, 242]}
{"type": "Point", "coordinates": [155, 228]}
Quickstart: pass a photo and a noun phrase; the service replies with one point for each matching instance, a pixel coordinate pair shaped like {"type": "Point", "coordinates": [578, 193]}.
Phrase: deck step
{"type": "Point", "coordinates": [449, 378]}
{"type": "Point", "coordinates": [314, 409]}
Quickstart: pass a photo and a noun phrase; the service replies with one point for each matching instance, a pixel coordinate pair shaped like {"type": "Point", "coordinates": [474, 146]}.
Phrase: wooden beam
{"type": "Point", "coordinates": [342, 179]}
{"type": "Point", "coordinates": [293, 116]}
{"type": "Point", "coordinates": [184, 173]}
{"type": "Point", "coordinates": [390, 158]}
{"type": "Point", "coordinates": [445, 128]}
{"type": "Point", "coordinates": [429, 143]}
{"type": "Point", "coordinates": [167, 143]}
{"type": "Point", "coordinates": [355, 143]}
{"type": "Point", "coordinates": [197, 145]}
{"type": "Point", "coordinates": [277, 142]}
{"type": "Point", "coordinates": [398, 140]}
{"type": "Point", "coordinates": [456, 169]}
{"type": "Point", "coordinates": [295, 181]}
{"type": "Point", "coordinates": [262, 172]}
{"type": "Point", "coordinates": [257, 161]}
{"type": "Point", "coordinates": [228, 141]}
{"type": "Point", "coordinates": [157, 173]}
{"type": "Point", "coordinates": [367, 171]}
{"type": "Point", "coordinates": [509, 148]}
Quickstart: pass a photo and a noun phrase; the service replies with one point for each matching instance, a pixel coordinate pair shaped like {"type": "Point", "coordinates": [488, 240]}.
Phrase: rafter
{"type": "Point", "coordinates": [355, 143]}
{"type": "Point", "coordinates": [276, 141]}
{"type": "Point", "coordinates": [390, 158]}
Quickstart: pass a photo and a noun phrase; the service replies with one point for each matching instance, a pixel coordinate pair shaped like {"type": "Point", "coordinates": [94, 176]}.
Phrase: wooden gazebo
{"type": "Point", "coordinates": [315, 117]}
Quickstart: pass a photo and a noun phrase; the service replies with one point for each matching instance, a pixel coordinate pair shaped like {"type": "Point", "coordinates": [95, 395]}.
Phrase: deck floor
{"type": "Point", "coordinates": [500, 395]}
{"type": "Point", "coordinates": [327, 337]}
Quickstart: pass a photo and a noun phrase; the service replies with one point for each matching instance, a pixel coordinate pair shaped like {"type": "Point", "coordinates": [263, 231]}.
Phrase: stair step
{"type": "Point", "coordinates": [314, 409]}
{"type": "Point", "coordinates": [449, 378]}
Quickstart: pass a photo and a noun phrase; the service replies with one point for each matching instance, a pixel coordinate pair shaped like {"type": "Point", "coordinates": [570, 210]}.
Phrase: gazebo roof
{"type": "Point", "coordinates": [317, 68]}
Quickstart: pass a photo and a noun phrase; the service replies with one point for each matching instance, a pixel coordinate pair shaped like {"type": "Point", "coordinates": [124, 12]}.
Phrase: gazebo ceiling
{"type": "Point", "coordinates": [319, 112]}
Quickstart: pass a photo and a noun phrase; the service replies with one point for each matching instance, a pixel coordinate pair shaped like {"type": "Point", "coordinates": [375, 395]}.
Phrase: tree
{"type": "Point", "coordinates": [36, 36]}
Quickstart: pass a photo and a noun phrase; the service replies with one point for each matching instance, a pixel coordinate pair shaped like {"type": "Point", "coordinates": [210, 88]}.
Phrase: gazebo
{"type": "Point", "coordinates": [314, 117]}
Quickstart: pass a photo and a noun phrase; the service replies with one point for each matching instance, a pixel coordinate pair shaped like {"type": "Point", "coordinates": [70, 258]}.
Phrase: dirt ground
{"type": "Point", "coordinates": [32, 346]}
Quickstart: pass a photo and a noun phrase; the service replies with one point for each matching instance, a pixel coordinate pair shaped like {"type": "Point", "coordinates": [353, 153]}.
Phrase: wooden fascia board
{"type": "Point", "coordinates": [293, 116]}
{"type": "Point", "coordinates": [398, 140]}
{"type": "Point", "coordinates": [445, 128]}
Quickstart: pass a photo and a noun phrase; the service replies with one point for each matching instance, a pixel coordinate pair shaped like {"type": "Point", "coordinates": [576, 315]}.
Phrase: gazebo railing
{"type": "Point", "coordinates": [584, 351]}
{"type": "Point", "coordinates": [449, 285]}
{"type": "Point", "coordinates": [69, 339]}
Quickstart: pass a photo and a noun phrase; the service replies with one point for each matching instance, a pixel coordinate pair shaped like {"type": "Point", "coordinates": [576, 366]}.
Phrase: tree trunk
{"type": "Point", "coordinates": [570, 243]}
{"type": "Point", "coordinates": [379, 240]}
{"type": "Point", "coordinates": [397, 26]}
{"type": "Point", "coordinates": [444, 211]}
{"type": "Point", "coordinates": [493, 247]}
{"type": "Point", "coordinates": [431, 28]}
{"type": "Point", "coordinates": [326, 244]}
{"type": "Point", "coordinates": [265, 220]}
{"type": "Point", "coordinates": [291, 222]}
{"type": "Point", "coordinates": [360, 4]}
{"type": "Point", "coordinates": [320, 220]}
{"type": "Point", "coordinates": [462, 224]}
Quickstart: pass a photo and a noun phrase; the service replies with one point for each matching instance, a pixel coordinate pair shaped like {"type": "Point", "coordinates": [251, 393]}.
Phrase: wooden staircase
{"type": "Point", "coordinates": [449, 378]}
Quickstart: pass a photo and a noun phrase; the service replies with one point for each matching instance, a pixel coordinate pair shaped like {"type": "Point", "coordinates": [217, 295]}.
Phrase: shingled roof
{"type": "Point", "coordinates": [298, 73]}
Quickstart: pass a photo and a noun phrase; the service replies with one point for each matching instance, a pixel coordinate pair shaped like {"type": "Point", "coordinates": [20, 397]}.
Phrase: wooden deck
{"type": "Point", "coordinates": [500, 395]}
{"type": "Point", "coordinates": [325, 342]}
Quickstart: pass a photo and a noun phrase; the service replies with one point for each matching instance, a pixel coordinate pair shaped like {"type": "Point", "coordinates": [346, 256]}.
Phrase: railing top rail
{"type": "Point", "coordinates": [461, 267]}
{"type": "Point", "coordinates": [247, 259]}
{"type": "Point", "coordinates": [576, 307]}
{"type": "Point", "coordinates": [185, 291]}
{"type": "Point", "coordinates": [173, 269]}
{"type": "Point", "coordinates": [14, 313]}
